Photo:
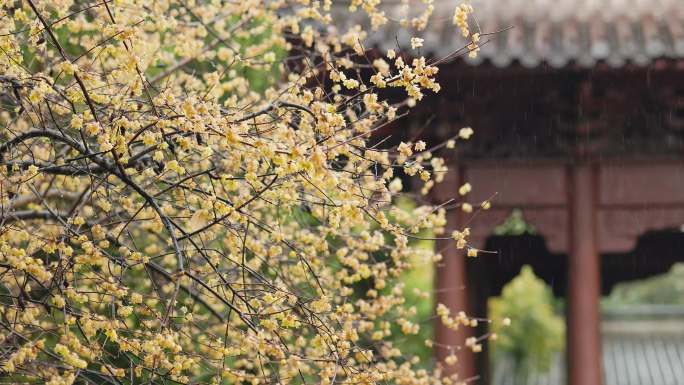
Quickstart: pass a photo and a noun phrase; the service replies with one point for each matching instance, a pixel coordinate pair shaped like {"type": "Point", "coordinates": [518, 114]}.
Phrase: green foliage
{"type": "Point", "coordinates": [515, 224]}
{"type": "Point", "coordinates": [536, 332]}
{"type": "Point", "coordinates": [417, 281]}
{"type": "Point", "coordinates": [662, 289]}
{"type": "Point", "coordinates": [419, 278]}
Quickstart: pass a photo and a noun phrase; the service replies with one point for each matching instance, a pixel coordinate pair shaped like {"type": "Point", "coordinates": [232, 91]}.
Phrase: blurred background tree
{"type": "Point", "coordinates": [536, 333]}
{"type": "Point", "coordinates": [663, 289]}
{"type": "Point", "coordinates": [514, 225]}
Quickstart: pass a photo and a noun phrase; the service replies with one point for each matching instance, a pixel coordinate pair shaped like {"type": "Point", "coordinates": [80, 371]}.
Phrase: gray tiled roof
{"type": "Point", "coordinates": [643, 360]}
{"type": "Point", "coordinates": [635, 360]}
{"type": "Point", "coordinates": [558, 32]}
{"type": "Point", "coordinates": [641, 345]}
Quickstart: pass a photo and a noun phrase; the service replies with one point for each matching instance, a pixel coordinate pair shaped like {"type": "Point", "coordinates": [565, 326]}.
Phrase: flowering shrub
{"type": "Point", "coordinates": [188, 194]}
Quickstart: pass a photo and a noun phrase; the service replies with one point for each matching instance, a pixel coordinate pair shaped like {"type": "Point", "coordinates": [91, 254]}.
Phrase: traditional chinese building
{"type": "Point", "coordinates": [578, 111]}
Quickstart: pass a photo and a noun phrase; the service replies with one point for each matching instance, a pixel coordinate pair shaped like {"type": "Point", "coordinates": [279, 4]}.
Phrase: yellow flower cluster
{"type": "Point", "coordinates": [196, 193]}
{"type": "Point", "coordinates": [24, 354]}
{"type": "Point", "coordinates": [461, 18]}
{"type": "Point", "coordinates": [19, 259]}
{"type": "Point", "coordinates": [69, 357]}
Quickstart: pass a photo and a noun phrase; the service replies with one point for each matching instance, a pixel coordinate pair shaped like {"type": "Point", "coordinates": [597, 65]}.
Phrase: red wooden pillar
{"type": "Point", "coordinates": [583, 336]}
{"type": "Point", "coordinates": [451, 284]}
